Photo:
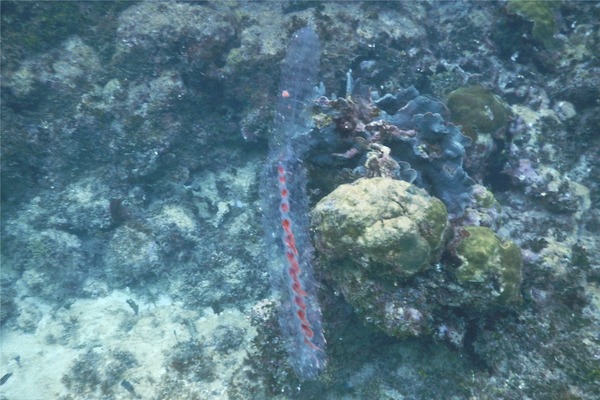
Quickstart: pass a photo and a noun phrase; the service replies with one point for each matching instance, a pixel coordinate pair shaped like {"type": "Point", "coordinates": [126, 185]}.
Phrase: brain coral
{"type": "Point", "coordinates": [385, 226]}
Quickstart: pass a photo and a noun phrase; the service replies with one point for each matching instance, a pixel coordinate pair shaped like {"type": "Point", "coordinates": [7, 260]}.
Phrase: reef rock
{"type": "Point", "coordinates": [490, 269]}
{"type": "Point", "coordinates": [374, 233]}
{"type": "Point", "coordinates": [385, 226]}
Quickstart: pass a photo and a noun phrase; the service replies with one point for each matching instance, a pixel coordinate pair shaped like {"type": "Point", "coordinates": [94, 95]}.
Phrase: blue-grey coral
{"type": "Point", "coordinates": [416, 130]}
{"type": "Point", "coordinates": [436, 151]}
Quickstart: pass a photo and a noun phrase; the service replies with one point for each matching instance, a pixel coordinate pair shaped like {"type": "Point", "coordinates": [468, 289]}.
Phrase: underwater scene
{"type": "Point", "coordinates": [300, 200]}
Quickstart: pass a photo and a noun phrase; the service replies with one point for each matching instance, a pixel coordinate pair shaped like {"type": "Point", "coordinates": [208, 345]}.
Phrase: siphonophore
{"type": "Point", "coordinates": [285, 209]}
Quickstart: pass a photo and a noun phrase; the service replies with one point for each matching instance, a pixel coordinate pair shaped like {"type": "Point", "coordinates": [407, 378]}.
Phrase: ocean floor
{"type": "Point", "coordinates": [100, 343]}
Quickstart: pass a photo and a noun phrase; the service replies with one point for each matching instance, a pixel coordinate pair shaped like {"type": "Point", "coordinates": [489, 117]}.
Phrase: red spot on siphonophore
{"type": "Point", "coordinates": [290, 257]}
{"type": "Point", "coordinates": [299, 302]}
{"type": "Point", "coordinates": [290, 242]}
{"type": "Point", "coordinates": [298, 289]}
{"type": "Point", "coordinates": [307, 331]}
{"type": "Point", "coordinates": [301, 314]}
{"type": "Point", "coordinates": [295, 266]}
{"type": "Point", "coordinates": [285, 94]}
{"type": "Point", "coordinates": [293, 272]}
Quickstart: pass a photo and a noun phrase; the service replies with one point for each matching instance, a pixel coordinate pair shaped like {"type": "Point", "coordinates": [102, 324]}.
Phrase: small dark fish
{"type": "Point", "coordinates": [133, 306]}
{"type": "Point", "coordinates": [127, 385]}
{"type": "Point", "coordinates": [5, 378]}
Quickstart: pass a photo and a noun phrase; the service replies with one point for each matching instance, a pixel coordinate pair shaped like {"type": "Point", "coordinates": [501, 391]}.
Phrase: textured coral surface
{"type": "Point", "coordinates": [387, 227]}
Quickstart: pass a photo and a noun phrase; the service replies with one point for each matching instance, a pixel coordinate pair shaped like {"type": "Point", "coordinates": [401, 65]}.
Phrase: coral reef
{"type": "Point", "coordinates": [490, 266]}
{"type": "Point", "coordinates": [373, 234]}
{"type": "Point", "coordinates": [91, 372]}
{"type": "Point", "coordinates": [189, 361]}
{"type": "Point", "coordinates": [133, 135]}
{"type": "Point", "coordinates": [477, 111]}
{"type": "Point", "coordinates": [132, 256]}
{"type": "Point", "coordinates": [484, 210]}
{"type": "Point", "coordinates": [413, 131]}
{"type": "Point", "coordinates": [388, 228]}
{"type": "Point", "coordinates": [541, 13]}
{"type": "Point", "coordinates": [53, 262]}
{"type": "Point", "coordinates": [155, 28]}
{"type": "Point", "coordinates": [7, 300]}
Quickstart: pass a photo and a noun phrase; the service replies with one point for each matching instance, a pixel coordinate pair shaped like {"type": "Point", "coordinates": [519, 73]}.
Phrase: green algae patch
{"type": "Point", "coordinates": [489, 264]}
{"type": "Point", "coordinates": [478, 111]}
{"type": "Point", "coordinates": [385, 226]}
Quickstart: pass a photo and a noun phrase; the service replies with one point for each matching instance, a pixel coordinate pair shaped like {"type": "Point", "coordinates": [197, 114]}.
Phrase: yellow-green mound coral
{"type": "Point", "coordinates": [478, 110]}
{"type": "Point", "coordinates": [385, 226]}
{"type": "Point", "coordinates": [372, 235]}
{"type": "Point", "coordinates": [490, 264]}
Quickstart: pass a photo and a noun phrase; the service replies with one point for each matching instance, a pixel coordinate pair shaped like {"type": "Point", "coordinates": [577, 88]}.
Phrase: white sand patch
{"type": "Point", "coordinates": [41, 366]}
{"type": "Point", "coordinates": [108, 326]}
